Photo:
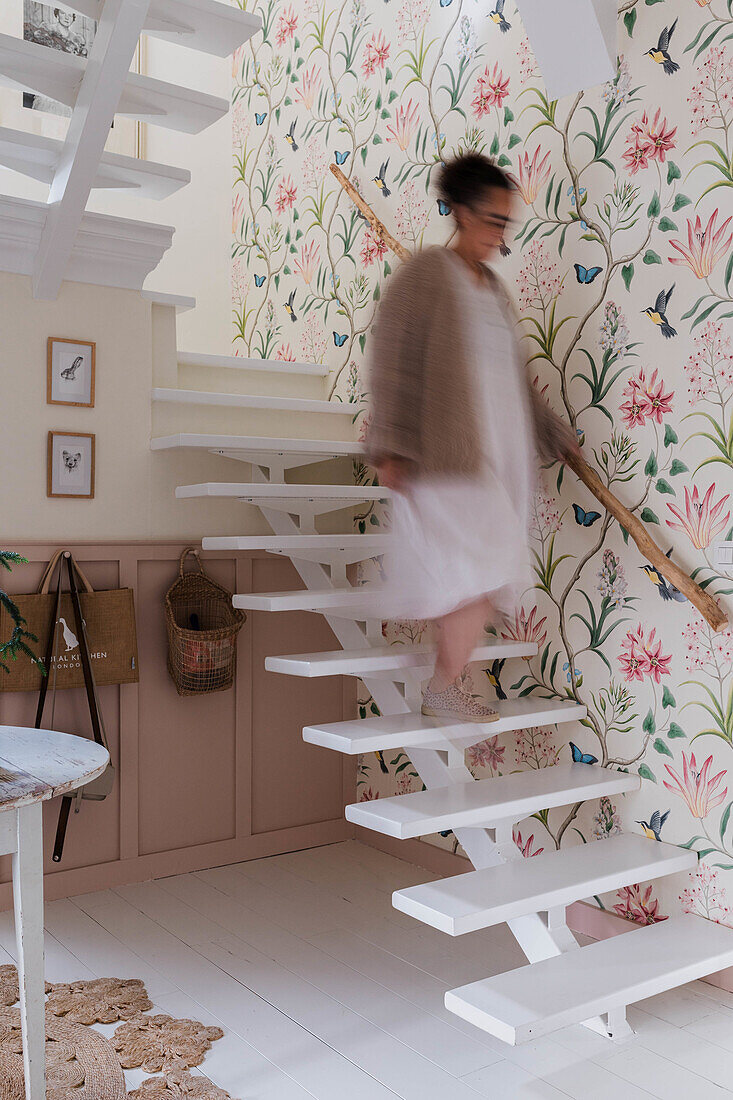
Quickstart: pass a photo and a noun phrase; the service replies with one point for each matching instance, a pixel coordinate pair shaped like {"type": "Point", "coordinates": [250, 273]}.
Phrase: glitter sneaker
{"type": "Point", "coordinates": [454, 703]}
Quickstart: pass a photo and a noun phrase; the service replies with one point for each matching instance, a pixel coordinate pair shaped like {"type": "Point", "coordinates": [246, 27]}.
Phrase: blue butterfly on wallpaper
{"type": "Point", "coordinates": [586, 274]}
{"type": "Point", "coordinates": [260, 118]}
{"type": "Point", "coordinates": [582, 757]}
{"type": "Point", "coordinates": [585, 519]}
{"type": "Point", "coordinates": [445, 3]}
{"type": "Point", "coordinates": [443, 207]}
{"type": "Point", "coordinates": [341, 158]}
{"type": "Point", "coordinates": [339, 340]}
{"type": "Point", "coordinates": [259, 280]}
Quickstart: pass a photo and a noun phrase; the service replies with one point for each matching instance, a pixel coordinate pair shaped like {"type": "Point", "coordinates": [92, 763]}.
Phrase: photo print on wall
{"type": "Point", "coordinates": [70, 373]}
{"type": "Point", "coordinates": [71, 460]}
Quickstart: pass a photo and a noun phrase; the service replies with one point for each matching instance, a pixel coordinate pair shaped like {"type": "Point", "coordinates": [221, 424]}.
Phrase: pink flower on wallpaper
{"type": "Point", "coordinates": [490, 90]}
{"type": "Point", "coordinates": [525, 847]}
{"type": "Point", "coordinates": [525, 628]}
{"type": "Point", "coordinates": [654, 136]}
{"type": "Point", "coordinates": [307, 262]}
{"type": "Point", "coordinates": [412, 214]}
{"type": "Point", "coordinates": [635, 156]}
{"type": "Point", "coordinates": [699, 792]}
{"type": "Point", "coordinates": [286, 26]}
{"type": "Point", "coordinates": [237, 215]}
{"type": "Point", "coordinates": [405, 120]}
{"type": "Point", "coordinates": [532, 175]}
{"type": "Point", "coordinates": [313, 342]}
{"type": "Point", "coordinates": [486, 754]}
{"type": "Point", "coordinates": [710, 97]}
{"type": "Point", "coordinates": [287, 192]}
{"type": "Point", "coordinates": [702, 519]}
{"type": "Point", "coordinates": [376, 53]}
{"type": "Point", "coordinates": [705, 247]}
{"type": "Point", "coordinates": [642, 656]}
{"type": "Point", "coordinates": [546, 518]}
{"type": "Point", "coordinates": [645, 400]}
{"type": "Point", "coordinates": [368, 795]}
{"type": "Point", "coordinates": [536, 748]}
{"type": "Point", "coordinates": [706, 896]}
{"type": "Point", "coordinates": [412, 17]}
{"type": "Point", "coordinates": [310, 83]}
{"type": "Point", "coordinates": [657, 402]}
{"type": "Point", "coordinates": [638, 907]}
{"type": "Point", "coordinates": [710, 367]}
{"type": "Point", "coordinates": [285, 354]}
{"type": "Point", "coordinates": [539, 279]}
{"type": "Point", "coordinates": [373, 247]}
{"type": "Point", "coordinates": [707, 650]}
{"type": "Point", "coordinates": [527, 61]}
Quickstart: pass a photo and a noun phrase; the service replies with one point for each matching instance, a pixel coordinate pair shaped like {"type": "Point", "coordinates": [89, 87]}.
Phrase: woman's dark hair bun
{"type": "Point", "coordinates": [465, 179]}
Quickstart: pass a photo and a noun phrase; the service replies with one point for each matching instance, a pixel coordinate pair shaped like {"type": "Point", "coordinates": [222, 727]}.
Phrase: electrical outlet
{"type": "Point", "coordinates": [724, 556]}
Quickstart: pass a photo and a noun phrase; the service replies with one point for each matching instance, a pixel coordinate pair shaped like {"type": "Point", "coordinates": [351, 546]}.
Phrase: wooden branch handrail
{"type": "Point", "coordinates": [705, 604]}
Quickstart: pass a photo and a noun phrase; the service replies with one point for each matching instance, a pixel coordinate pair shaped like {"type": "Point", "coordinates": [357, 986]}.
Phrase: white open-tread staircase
{"type": "Point", "coordinates": [563, 983]}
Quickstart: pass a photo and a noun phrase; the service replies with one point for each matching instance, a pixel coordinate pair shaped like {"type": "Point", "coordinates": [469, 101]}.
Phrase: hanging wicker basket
{"type": "Point", "coordinates": [202, 631]}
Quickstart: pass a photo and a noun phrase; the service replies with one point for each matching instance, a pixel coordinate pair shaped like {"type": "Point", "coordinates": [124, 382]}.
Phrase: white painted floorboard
{"type": "Point", "coordinates": [324, 991]}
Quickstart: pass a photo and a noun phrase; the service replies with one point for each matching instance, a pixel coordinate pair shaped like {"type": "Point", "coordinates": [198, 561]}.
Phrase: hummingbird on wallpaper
{"type": "Point", "coordinates": [290, 137]}
{"type": "Point", "coordinates": [497, 15]}
{"type": "Point", "coordinates": [660, 53]}
{"type": "Point", "coordinates": [666, 590]}
{"type": "Point", "coordinates": [653, 827]}
{"type": "Point", "coordinates": [657, 313]}
{"type": "Point", "coordinates": [289, 306]}
{"type": "Point", "coordinates": [381, 180]}
{"type": "Point", "coordinates": [380, 757]}
{"type": "Point", "coordinates": [494, 672]}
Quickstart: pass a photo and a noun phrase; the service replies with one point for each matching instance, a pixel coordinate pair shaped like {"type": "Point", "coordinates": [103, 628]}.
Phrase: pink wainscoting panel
{"type": "Point", "coordinates": [200, 781]}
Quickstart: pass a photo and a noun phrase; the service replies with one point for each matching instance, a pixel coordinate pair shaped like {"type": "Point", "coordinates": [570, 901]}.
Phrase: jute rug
{"type": "Point", "coordinates": [81, 1064]}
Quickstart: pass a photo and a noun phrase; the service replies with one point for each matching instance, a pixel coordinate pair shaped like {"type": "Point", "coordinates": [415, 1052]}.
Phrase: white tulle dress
{"type": "Point", "coordinates": [455, 539]}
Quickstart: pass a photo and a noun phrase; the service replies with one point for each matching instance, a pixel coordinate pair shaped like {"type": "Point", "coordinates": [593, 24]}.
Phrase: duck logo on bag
{"type": "Point", "coordinates": [70, 638]}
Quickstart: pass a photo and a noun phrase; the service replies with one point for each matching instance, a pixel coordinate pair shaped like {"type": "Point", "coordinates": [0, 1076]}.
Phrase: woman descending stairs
{"type": "Point", "coordinates": [563, 983]}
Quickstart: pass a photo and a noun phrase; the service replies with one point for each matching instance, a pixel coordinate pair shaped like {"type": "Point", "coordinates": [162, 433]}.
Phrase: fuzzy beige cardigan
{"type": "Point", "coordinates": [422, 395]}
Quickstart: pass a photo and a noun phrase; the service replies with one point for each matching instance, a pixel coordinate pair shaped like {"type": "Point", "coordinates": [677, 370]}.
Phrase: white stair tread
{"type": "Point", "coordinates": [369, 544]}
{"type": "Point", "coordinates": [180, 302]}
{"type": "Point", "coordinates": [263, 491]}
{"type": "Point", "coordinates": [395, 731]}
{"type": "Point", "coordinates": [252, 444]}
{"type": "Point", "coordinates": [483, 802]}
{"type": "Point", "coordinates": [37, 156]}
{"type": "Point", "coordinates": [534, 1000]}
{"type": "Point", "coordinates": [308, 599]}
{"type": "Point", "coordinates": [238, 362]}
{"type": "Point", "coordinates": [204, 25]}
{"type": "Point", "coordinates": [492, 895]}
{"type": "Point", "coordinates": [253, 401]}
{"type": "Point", "coordinates": [34, 68]}
{"type": "Point", "coordinates": [360, 662]}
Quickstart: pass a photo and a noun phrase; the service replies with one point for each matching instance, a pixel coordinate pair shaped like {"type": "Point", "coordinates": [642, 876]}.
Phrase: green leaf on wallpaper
{"type": "Point", "coordinates": [363, 155]}
{"type": "Point", "coordinates": [560, 476]}
{"type": "Point", "coordinates": [296, 43]}
{"type": "Point", "coordinates": [662, 746]}
{"type": "Point", "coordinates": [648, 516]}
{"type": "Point", "coordinates": [508, 116]}
{"type": "Point", "coordinates": [376, 140]}
{"type": "Point", "coordinates": [679, 202]}
{"type": "Point", "coordinates": [670, 435]}
{"type": "Point", "coordinates": [668, 699]}
{"type": "Point", "coordinates": [362, 342]}
{"type": "Point", "coordinates": [673, 172]}
{"type": "Point", "coordinates": [651, 465]}
{"type": "Point", "coordinates": [374, 520]}
{"type": "Point", "coordinates": [288, 101]}
{"type": "Point", "coordinates": [276, 281]}
{"type": "Point", "coordinates": [629, 20]}
{"type": "Point", "coordinates": [277, 114]}
{"type": "Point", "coordinates": [646, 772]}
{"type": "Point", "coordinates": [514, 139]}
{"type": "Point", "coordinates": [654, 207]}
{"type": "Point", "coordinates": [649, 725]}
{"type": "Point", "coordinates": [675, 730]}
{"type": "Point", "coordinates": [627, 274]}
{"type": "Point", "coordinates": [392, 96]}
{"type": "Point", "coordinates": [388, 76]}
{"type": "Point", "coordinates": [374, 708]}
{"type": "Point", "coordinates": [385, 113]}
{"type": "Point", "coordinates": [299, 233]}
{"type": "Point", "coordinates": [503, 160]}
{"type": "Point", "coordinates": [376, 295]}
{"type": "Point", "coordinates": [293, 248]}
{"type": "Point", "coordinates": [625, 535]}
{"type": "Point", "coordinates": [678, 467]}
{"type": "Point", "coordinates": [387, 268]}
{"type": "Point", "coordinates": [494, 146]}
{"type": "Point", "coordinates": [378, 102]}
{"type": "Point", "coordinates": [650, 2]}
{"type": "Point", "coordinates": [724, 820]}
{"type": "Point", "coordinates": [667, 225]}
{"type": "Point", "coordinates": [663, 486]}
{"type": "Point", "coordinates": [286, 270]}
{"type": "Point", "coordinates": [651, 257]}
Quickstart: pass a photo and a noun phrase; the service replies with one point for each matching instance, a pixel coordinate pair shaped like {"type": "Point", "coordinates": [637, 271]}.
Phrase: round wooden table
{"type": "Point", "coordinates": [36, 765]}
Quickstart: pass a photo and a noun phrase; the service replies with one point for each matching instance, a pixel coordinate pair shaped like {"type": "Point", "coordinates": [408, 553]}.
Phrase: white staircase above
{"type": "Point", "coordinates": [324, 548]}
{"type": "Point", "coordinates": [534, 1000]}
{"type": "Point", "coordinates": [493, 895]}
{"type": "Point", "coordinates": [487, 802]}
{"type": "Point", "coordinates": [396, 731]}
{"type": "Point", "coordinates": [351, 603]}
{"type": "Point", "coordinates": [385, 658]}
{"type": "Point", "coordinates": [267, 494]}
{"type": "Point", "coordinates": [238, 362]}
{"type": "Point", "coordinates": [253, 401]}
{"type": "Point", "coordinates": [252, 447]}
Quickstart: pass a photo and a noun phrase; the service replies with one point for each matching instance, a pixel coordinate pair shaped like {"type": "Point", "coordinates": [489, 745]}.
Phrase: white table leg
{"type": "Point", "coordinates": [28, 905]}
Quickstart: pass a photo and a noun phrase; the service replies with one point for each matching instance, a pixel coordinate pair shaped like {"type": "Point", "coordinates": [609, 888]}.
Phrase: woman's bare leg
{"type": "Point", "coordinates": [457, 636]}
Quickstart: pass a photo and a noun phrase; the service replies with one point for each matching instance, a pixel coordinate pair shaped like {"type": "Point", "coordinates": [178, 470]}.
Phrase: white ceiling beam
{"type": "Point", "coordinates": [574, 42]}
{"type": "Point", "coordinates": [106, 72]}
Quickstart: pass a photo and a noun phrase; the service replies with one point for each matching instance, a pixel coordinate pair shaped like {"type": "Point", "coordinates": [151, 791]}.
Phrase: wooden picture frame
{"type": "Point", "coordinates": [70, 372]}
{"type": "Point", "coordinates": [70, 464]}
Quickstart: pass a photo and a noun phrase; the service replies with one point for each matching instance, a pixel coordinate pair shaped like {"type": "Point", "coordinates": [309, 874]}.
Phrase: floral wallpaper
{"type": "Point", "coordinates": [621, 265]}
